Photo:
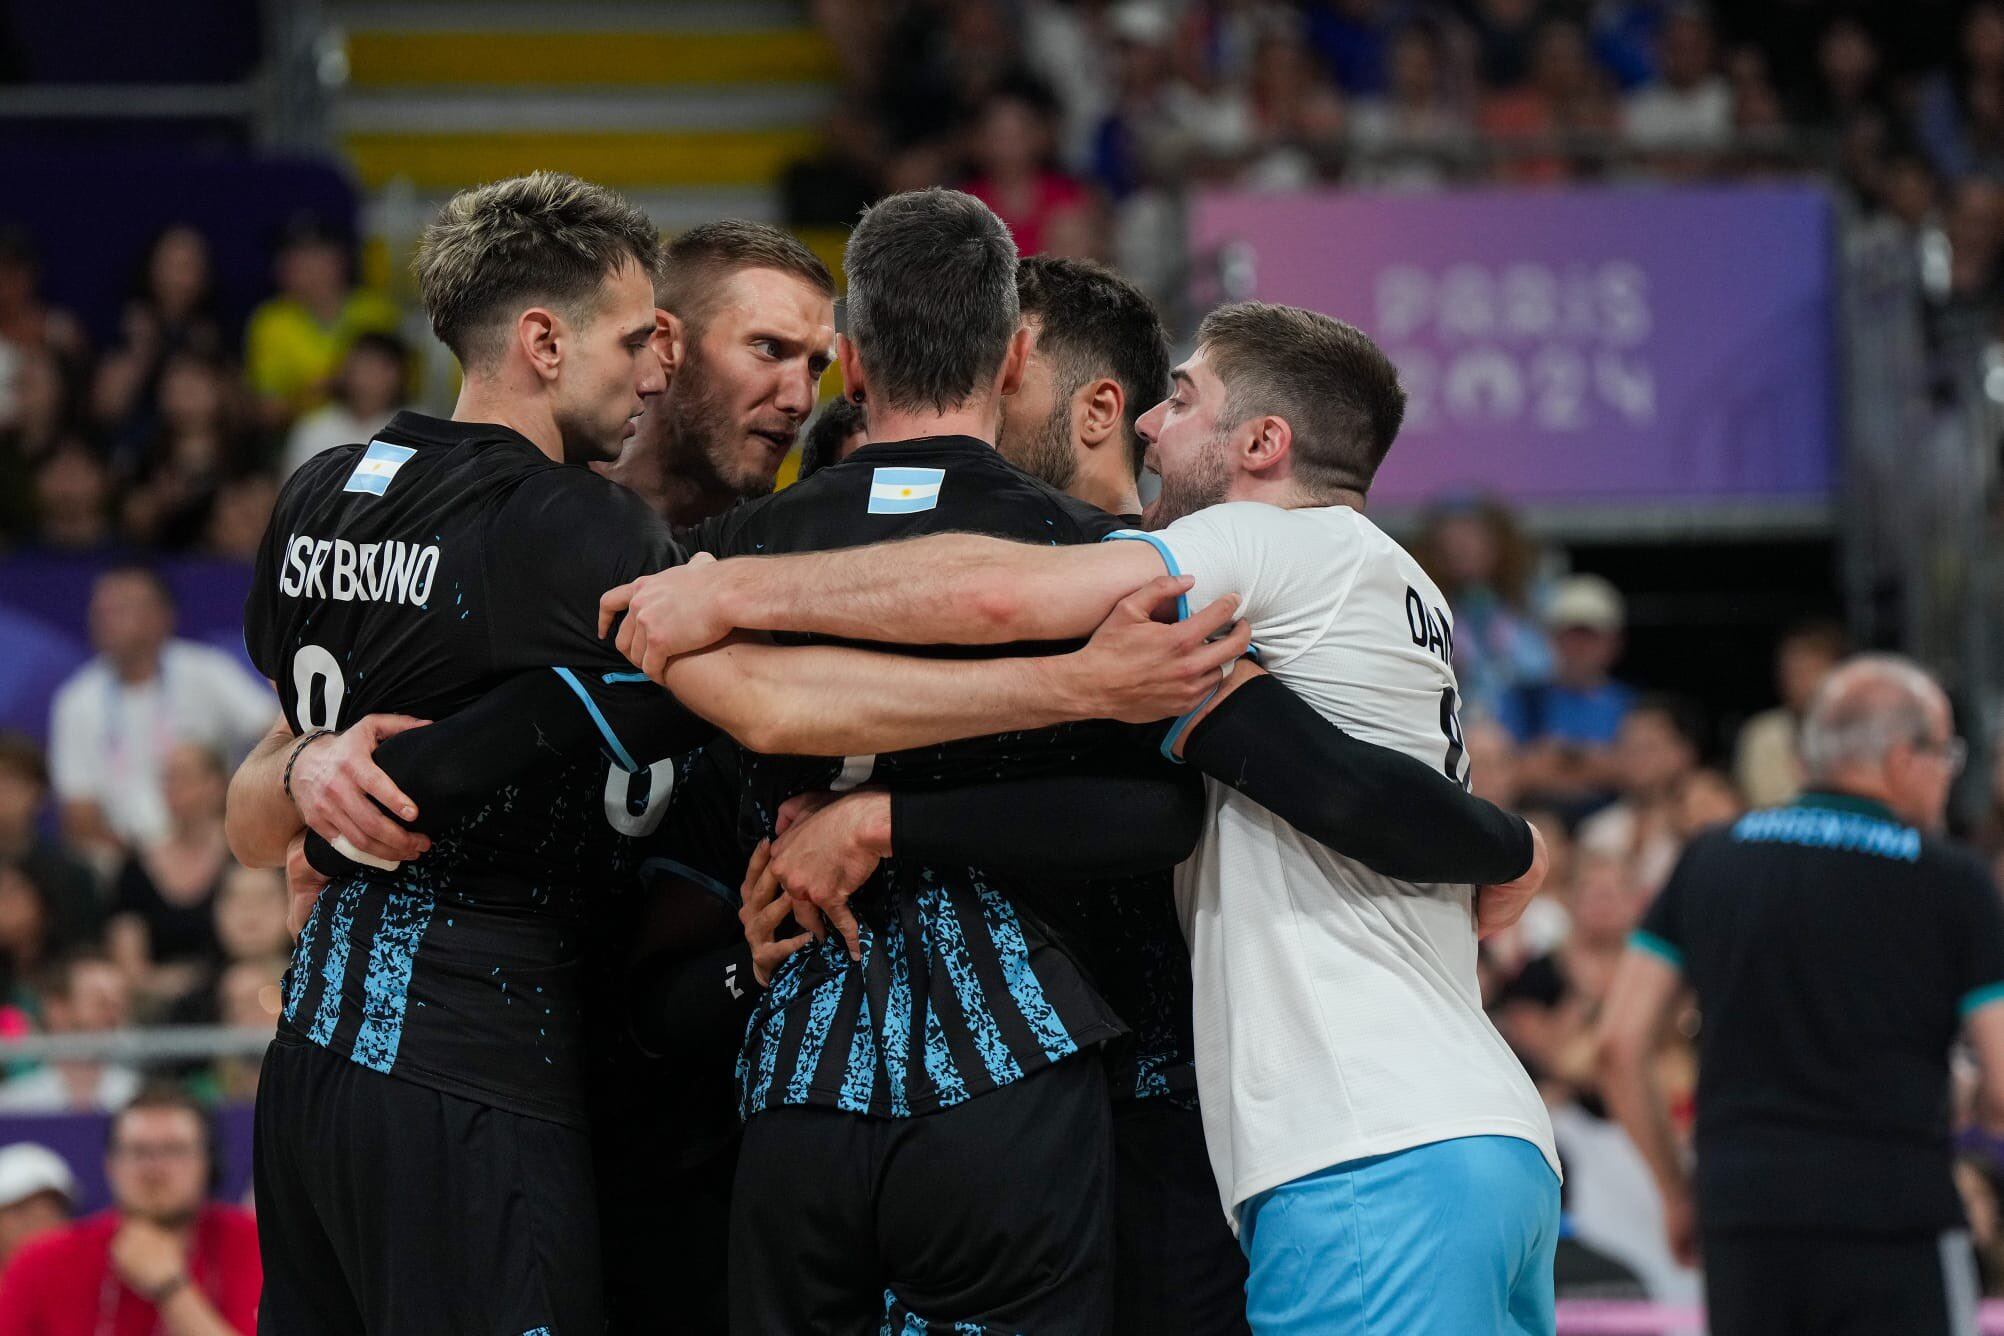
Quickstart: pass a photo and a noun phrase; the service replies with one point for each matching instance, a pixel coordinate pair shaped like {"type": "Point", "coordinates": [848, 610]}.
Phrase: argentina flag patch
{"type": "Point", "coordinates": [895, 491]}
{"type": "Point", "coordinates": [376, 467]}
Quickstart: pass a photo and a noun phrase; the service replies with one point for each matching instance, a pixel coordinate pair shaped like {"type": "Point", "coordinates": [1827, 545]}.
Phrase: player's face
{"type": "Point", "coordinates": [1185, 447]}
{"type": "Point", "coordinates": [158, 1166]}
{"type": "Point", "coordinates": [1037, 434]}
{"type": "Point", "coordinates": [610, 370]}
{"type": "Point", "coordinates": [748, 382]}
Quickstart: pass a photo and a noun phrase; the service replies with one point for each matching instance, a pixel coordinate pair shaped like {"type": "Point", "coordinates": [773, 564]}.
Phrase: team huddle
{"type": "Point", "coordinates": [938, 896]}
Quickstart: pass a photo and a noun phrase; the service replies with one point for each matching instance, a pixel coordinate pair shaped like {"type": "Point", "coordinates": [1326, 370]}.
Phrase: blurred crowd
{"type": "Point", "coordinates": [174, 435]}
{"type": "Point", "coordinates": [1083, 123]}
{"type": "Point", "coordinates": [120, 903]}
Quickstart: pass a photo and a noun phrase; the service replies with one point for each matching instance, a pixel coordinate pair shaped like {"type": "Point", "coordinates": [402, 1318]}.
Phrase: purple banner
{"type": "Point", "coordinates": [1608, 346]}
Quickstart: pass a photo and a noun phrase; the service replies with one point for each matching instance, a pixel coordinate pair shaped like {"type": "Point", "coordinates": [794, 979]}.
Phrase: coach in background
{"type": "Point", "coordinates": [1837, 946]}
{"type": "Point", "coordinates": [164, 1261]}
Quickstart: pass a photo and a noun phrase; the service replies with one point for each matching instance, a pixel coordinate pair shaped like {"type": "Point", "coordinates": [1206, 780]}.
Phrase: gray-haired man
{"type": "Point", "coordinates": [1837, 947]}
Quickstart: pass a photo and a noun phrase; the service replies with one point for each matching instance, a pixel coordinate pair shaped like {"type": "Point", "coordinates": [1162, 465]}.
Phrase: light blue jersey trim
{"type": "Point", "coordinates": [1162, 550]}
{"type": "Point", "coordinates": [1182, 614]}
{"type": "Point", "coordinates": [612, 742]}
{"type": "Point", "coordinates": [1656, 946]}
{"type": "Point", "coordinates": [614, 679]}
{"type": "Point", "coordinates": [1976, 999]}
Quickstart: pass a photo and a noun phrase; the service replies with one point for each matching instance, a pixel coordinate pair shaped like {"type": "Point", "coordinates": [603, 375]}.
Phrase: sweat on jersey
{"type": "Point", "coordinates": [411, 575]}
{"type": "Point", "coordinates": [1337, 1011]}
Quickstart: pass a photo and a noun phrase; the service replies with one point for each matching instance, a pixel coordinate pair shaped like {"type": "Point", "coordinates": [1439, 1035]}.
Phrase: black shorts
{"type": "Point", "coordinates": [1803, 1283]}
{"type": "Point", "coordinates": [1177, 1269]}
{"type": "Point", "coordinates": [391, 1209]}
{"type": "Point", "coordinates": [990, 1216]}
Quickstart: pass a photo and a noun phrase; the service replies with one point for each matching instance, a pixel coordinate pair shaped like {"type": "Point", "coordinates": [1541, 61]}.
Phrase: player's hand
{"type": "Point", "coordinates": [337, 786]}
{"type": "Point", "coordinates": [147, 1256]}
{"type": "Point", "coordinates": [766, 913]}
{"type": "Point", "coordinates": [824, 858]}
{"type": "Point", "coordinates": [303, 884]}
{"type": "Point", "coordinates": [1137, 670]}
{"type": "Point", "coordinates": [1499, 907]}
{"type": "Point", "coordinates": [668, 613]}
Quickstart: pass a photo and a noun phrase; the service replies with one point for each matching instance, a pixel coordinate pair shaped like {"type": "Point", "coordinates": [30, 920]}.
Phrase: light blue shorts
{"type": "Point", "coordinates": [1450, 1239]}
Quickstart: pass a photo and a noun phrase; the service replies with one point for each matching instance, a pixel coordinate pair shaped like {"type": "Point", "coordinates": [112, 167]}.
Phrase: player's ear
{"type": "Point", "coordinates": [1098, 408]}
{"type": "Point", "coordinates": [1269, 445]}
{"type": "Point", "coordinates": [1013, 361]}
{"type": "Point", "coordinates": [669, 346]}
{"type": "Point", "coordinates": [854, 386]}
{"type": "Point", "coordinates": [538, 332]}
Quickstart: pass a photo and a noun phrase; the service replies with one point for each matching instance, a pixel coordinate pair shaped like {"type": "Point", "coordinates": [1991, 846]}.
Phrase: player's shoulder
{"type": "Point", "coordinates": [567, 497]}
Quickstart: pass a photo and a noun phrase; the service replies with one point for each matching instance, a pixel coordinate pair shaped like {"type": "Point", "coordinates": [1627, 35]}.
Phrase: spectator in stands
{"type": "Point", "coordinates": [1655, 753]}
{"type": "Point", "coordinates": [1705, 799]}
{"type": "Point", "coordinates": [73, 501]}
{"type": "Point", "coordinates": [1014, 140]}
{"type": "Point", "coordinates": [116, 719]}
{"type": "Point", "coordinates": [26, 321]}
{"type": "Point", "coordinates": [1294, 118]}
{"type": "Point", "coordinates": [37, 1191]}
{"type": "Point", "coordinates": [162, 930]}
{"type": "Point", "coordinates": [1689, 105]}
{"type": "Point", "coordinates": [84, 993]}
{"type": "Point", "coordinates": [239, 517]}
{"type": "Point", "coordinates": [1482, 561]}
{"type": "Point", "coordinates": [247, 997]}
{"type": "Point", "coordinates": [32, 934]}
{"type": "Point", "coordinates": [37, 418]}
{"type": "Point", "coordinates": [1567, 724]}
{"type": "Point", "coordinates": [1417, 134]}
{"type": "Point", "coordinates": [1849, 70]}
{"type": "Point", "coordinates": [163, 1259]}
{"type": "Point", "coordinates": [837, 432]}
{"type": "Point", "coordinates": [172, 310]}
{"type": "Point", "coordinates": [294, 342]}
{"type": "Point", "coordinates": [1764, 757]}
{"type": "Point", "coordinates": [1548, 1012]}
{"type": "Point", "coordinates": [374, 381]}
{"type": "Point", "coordinates": [250, 929]}
{"type": "Point", "coordinates": [70, 886]}
{"type": "Point", "coordinates": [1566, 95]}
{"type": "Point", "coordinates": [1958, 116]}
{"type": "Point", "coordinates": [198, 447]}
{"type": "Point", "coordinates": [1505, 35]}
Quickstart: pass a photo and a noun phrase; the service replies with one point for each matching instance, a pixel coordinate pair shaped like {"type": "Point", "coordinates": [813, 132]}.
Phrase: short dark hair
{"type": "Point", "coordinates": [695, 261]}
{"type": "Point", "coordinates": [19, 753]}
{"type": "Point", "coordinates": [838, 420]}
{"type": "Point", "coordinates": [1683, 717]}
{"type": "Point", "coordinates": [544, 237]}
{"type": "Point", "coordinates": [387, 345]}
{"type": "Point", "coordinates": [1094, 323]}
{"type": "Point", "coordinates": [1337, 390]}
{"type": "Point", "coordinates": [932, 296]}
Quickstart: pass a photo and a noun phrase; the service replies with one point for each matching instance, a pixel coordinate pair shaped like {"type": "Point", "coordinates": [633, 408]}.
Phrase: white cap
{"type": "Point", "coordinates": [1586, 601]}
{"type": "Point", "coordinates": [1139, 22]}
{"type": "Point", "coordinates": [27, 1169]}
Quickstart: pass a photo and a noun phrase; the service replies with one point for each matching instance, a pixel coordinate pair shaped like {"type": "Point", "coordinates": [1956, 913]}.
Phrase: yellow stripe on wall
{"type": "Point", "coordinates": [786, 55]}
{"type": "Point", "coordinates": [713, 158]}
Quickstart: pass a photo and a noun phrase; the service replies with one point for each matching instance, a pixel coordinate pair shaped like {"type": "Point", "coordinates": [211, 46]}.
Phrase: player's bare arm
{"type": "Point", "coordinates": [824, 701]}
{"type": "Point", "coordinates": [336, 790]}
{"type": "Point", "coordinates": [944, 589]}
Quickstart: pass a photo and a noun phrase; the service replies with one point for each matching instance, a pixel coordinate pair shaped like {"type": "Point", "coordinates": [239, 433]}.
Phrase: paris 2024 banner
{"type": "Point", "coordinates": [1604, 346]}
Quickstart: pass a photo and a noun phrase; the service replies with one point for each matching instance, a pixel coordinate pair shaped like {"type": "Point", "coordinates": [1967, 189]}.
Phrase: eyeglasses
{"type": "Point", "coordinates": [1954, 752]}
{"type": "Point", "coordinates": [139, 1151]}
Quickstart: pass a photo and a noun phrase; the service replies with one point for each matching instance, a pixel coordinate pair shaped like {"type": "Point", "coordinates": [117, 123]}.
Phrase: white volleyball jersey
{"type": "Point", "coordinates": [1337, 1011]}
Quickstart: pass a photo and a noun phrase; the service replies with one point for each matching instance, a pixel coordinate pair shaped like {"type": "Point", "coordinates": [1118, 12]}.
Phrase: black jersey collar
{"type": "Point", "coordinates": [932, 445]}
{"type": "Point", "coordinates": [421, 429]}
{"type": "Point", "coordinates": [1832, 801]}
